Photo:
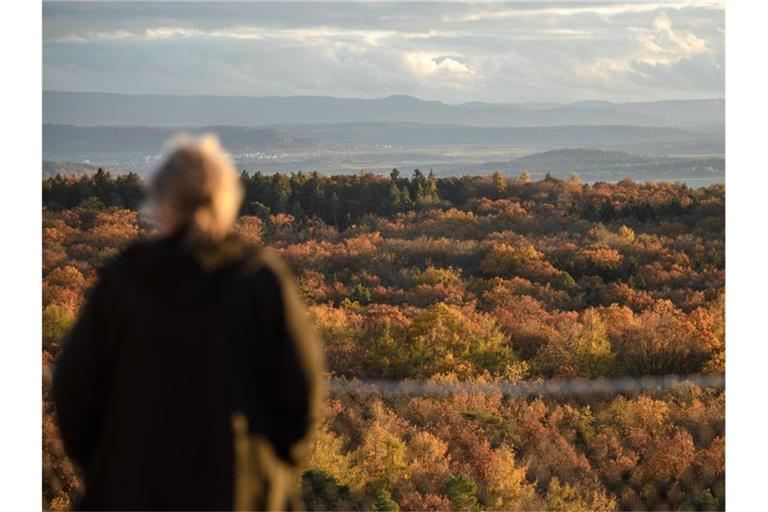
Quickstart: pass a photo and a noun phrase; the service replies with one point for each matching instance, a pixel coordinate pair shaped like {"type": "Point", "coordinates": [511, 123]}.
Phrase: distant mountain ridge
{"type": "Point", "coordinates": [100, 109]}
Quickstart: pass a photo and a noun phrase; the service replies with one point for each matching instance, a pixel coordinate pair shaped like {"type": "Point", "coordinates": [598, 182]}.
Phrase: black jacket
{"type": "Point", "coordinates": [190, 380]}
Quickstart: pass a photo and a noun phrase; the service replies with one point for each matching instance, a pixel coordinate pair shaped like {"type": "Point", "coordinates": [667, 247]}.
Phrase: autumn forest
{"type": "Point", "coordinates": [465, 279]}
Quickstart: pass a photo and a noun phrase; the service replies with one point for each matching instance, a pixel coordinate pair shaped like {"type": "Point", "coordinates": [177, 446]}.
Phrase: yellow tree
{"type": "Point", "coordinates": [499, 183]}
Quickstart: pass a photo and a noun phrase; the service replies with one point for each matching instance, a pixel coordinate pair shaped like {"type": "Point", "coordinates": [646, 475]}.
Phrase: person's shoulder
{"type": "Point", "coordinates": [115, 270]}
{"type": "Point", "coordinates": [138, 250]}
{"type": "Point", "coordinates": [265, 268]}
{"type": "Point", "coordinates": [266, 259]}
{"type": "Point", "coordinates": [137, 254]}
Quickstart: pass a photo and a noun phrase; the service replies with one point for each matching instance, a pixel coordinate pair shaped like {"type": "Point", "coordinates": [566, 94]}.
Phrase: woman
{"type": "Point", "coordinates": [192, 378]}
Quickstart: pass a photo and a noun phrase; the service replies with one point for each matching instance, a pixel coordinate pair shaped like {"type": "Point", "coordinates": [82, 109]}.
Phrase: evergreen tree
{"type": "Point", "coordinates": [395, 198]}
{"type": "Point", "coordinates": [462, 492]}
{"type": "Point", "coordinates": [384, 502]}
{"type": "Point", "coordinates": [432, 191]}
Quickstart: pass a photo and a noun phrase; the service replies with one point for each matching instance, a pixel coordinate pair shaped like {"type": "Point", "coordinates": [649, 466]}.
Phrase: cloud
{"type": "Point", "coordinates": [664, 45]}
{"type": "Point", "coordinates": [179, 32]}
{"type": "Point", "coordinates": [600, 9]}
{"type": "Point", "coordinates": [424, 64]}
{"type": "Point", "coordinates": [659, 50]}
{"type": "Point", "coordinates": [453, 52]}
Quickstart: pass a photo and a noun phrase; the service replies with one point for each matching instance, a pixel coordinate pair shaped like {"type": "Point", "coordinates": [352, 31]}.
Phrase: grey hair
{"type": "Point", "coordinates": [198, 186]}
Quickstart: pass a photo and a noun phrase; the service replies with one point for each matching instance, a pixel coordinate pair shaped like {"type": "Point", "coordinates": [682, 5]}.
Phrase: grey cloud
{"type": "Point", "coordinates": [435, 51]}
{"type": "Point", "coordinates": [697, 72]}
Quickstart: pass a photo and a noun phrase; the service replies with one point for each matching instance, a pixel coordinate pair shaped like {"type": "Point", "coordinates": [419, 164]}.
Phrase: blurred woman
{"type": "Point", "coordinates": [192, 378]}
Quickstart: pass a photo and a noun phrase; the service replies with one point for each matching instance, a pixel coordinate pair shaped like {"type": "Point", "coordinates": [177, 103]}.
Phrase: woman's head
{"type": "Point", "coordinates": [196, 188]}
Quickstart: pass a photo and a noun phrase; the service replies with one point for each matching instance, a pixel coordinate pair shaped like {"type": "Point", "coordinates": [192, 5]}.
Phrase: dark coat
{"type": "Point", "coordinates": [190, 380]}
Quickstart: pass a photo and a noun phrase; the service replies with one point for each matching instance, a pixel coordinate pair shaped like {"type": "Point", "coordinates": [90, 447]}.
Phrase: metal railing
{"type": "Point", "coordinates": [528, 388]}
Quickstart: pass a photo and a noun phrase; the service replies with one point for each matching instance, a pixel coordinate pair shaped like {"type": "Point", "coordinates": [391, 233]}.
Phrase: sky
{"type": "Point", "coordinates": [452, 52]}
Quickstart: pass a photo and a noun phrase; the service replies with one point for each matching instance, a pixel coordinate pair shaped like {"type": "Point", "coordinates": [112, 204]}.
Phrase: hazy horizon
{"type": "Point", "coordinates": [456, 87]}
{"type": "Point", "coordinates": [393, 95]}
